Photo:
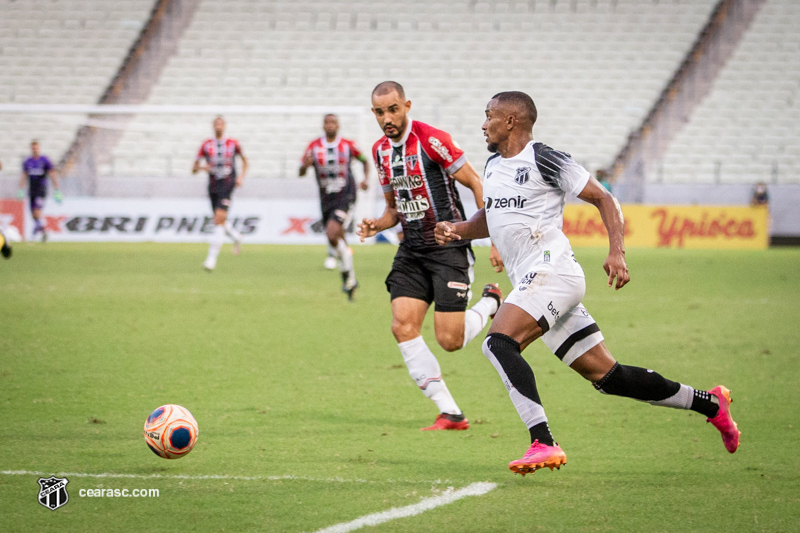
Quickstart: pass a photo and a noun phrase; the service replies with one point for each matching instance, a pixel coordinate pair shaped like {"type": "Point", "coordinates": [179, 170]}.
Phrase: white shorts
{"type": "Point", "coordinates": [554, 301]}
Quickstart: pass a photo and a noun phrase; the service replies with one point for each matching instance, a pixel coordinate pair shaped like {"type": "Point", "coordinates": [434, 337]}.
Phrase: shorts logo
{"type": "Point", "coordinates": [553, 310]}
{"type": "Point", "coordinates": [523, 175]}
{"type": "Point", "coordinates": [457, 285]}
{"type": "Point", "coordinates": [526, 280]}
{"type": "Point", "coordinates": [440, 149]}
{"type": "Point", "coordinates": [53, 492]}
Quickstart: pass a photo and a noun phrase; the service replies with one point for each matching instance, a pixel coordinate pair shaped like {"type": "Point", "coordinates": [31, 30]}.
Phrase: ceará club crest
{"type": "Point", "coordinates": [523, 175]}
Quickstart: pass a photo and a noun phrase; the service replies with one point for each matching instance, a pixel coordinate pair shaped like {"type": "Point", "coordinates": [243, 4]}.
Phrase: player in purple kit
{"type": "Point", "coordinates": [36, 170]}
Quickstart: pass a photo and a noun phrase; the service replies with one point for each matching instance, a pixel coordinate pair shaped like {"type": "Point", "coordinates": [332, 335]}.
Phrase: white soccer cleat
{"type": "Point", "coordinates": [209, 264]}
{"type": "Point", "coordinates": [331, 263]}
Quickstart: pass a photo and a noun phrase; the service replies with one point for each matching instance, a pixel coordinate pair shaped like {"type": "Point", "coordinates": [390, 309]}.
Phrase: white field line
{"type": "Point", "coordinates": [112, 475]}
{"type": "Point", "coordinates": [475, 489]}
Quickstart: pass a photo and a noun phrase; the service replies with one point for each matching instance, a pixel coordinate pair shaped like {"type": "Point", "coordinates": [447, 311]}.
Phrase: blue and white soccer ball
{"type": "Point", "coordinates": [170, 431]}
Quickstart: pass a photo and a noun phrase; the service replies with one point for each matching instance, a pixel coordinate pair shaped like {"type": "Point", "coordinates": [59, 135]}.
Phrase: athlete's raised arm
{"type": "Point", "coordinates": [240, 177]}
{"type": "Point", "coordinates": [614, 265]}
{"type": "Point", "coordinates": [474, 228]}
{"type": "Point", "coordinates": [372, 226]}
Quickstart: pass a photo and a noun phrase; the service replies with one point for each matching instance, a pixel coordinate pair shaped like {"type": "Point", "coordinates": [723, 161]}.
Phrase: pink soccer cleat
{"type": "Point", "coordinates": [539, 456]}
{"type": "Point", "coordinates": [447, 421]}
{"type": "Point", "coordinates": [723, 421]}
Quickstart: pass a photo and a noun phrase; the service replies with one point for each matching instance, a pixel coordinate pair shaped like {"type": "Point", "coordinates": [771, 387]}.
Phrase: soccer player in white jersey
{"type": "Point", "coordinates": [525, 186]}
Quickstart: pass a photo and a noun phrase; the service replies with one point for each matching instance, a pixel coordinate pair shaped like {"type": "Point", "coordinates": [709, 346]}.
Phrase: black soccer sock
{"type": "Point", "coordinates": [517, 376]}
{"type": "Point", "coordinates": [705, 403]}
{"type": "Point", "coordinates": [541, 432]}
{"type": "Point", "coordinates": [637, 383]}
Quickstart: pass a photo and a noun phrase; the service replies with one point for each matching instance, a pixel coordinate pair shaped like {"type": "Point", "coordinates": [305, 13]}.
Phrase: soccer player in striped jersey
{"type": "Point", "coordinates": [526, 184]}
{"type": "Point", "coordinates": [418, 167]}
{"type": "Point", "coordinates": [217, 156]}
{"type": "Point", "coordinates": [332, 157]}
{"type": "Point", "coordinates": [36, 170]}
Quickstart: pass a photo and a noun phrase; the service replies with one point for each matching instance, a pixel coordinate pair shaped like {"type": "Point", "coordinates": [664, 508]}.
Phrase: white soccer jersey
{"type": "Point", "coordinates": [525, 197]}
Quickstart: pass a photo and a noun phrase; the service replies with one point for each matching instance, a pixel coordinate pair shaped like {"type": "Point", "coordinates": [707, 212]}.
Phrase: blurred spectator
{"type": "Point", "coordinates": [760, 195]}
{"type": "Point", "coordinates": [602, 177]}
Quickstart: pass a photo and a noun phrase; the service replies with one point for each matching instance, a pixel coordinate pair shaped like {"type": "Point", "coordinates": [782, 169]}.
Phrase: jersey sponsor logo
{"type": "Point", "coordinates": [523, 175]}
{"type": "Point", "coordinates": [413, 209]}
{"type": "Point", "coordinates": [502, 203]}
{"type": "Point", "coordinates": [489, 175]}
{"type": "Point", "coordinates": [457, 285]}
{"type": "Point", "coordinates": [398, 161]}
{"type": "Point", "coordinates": [406, 182]}
{"type": "Point", "coordinates": [440, 149]}
{"type": "Point", "coordinates": [333, 185]}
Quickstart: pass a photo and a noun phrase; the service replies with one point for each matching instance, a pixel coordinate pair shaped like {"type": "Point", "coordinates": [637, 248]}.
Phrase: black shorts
{"type": "Point", "coordinates": [441, 275]}
{"type": "Point", "coordinates": [220, 198]}
{"type": "Point", "coordinates": [339, 211]}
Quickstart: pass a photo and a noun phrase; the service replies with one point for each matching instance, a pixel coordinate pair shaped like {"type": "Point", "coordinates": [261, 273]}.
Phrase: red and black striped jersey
{"type": "Point", "coordinates": [220, 154]}
{"type": "Point", "coordinates": [333, 168]}
{"type": "Point", "coordinates": [418, 170]}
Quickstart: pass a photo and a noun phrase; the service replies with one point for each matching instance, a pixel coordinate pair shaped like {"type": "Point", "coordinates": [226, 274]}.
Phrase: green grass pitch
{"type": "Point", "coordinates": [304, 403]}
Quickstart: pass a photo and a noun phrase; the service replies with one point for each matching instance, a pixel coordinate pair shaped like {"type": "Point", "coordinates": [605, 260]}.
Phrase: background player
{"type": "Point", "coordinates": [526, 183]}
{"type": "Point", "coordinates": [36, 170]}
{"type": "Point", "coordinates": [332, 157]}
{"type": "Point", "coordinates": [418, 167]}
{"type": "Point", "coordinates": [220, 154]}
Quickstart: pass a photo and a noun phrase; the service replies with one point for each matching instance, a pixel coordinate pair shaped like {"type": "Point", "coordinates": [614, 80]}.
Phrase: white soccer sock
{"type": "Point", "coordinates": [680, 400]}
{"type": "Point", "coordinates": [217, 238]}
{"type": "Point", "coordinates": [424, 370]}
{"type": "Point", "coordinates": [346, 255]}
{"type": "Point", "coordinates": [231, 231]}
{"type": "Point", "coordinates": [333, 252]}
{"type": "Point", "coordinates": [477, 316]}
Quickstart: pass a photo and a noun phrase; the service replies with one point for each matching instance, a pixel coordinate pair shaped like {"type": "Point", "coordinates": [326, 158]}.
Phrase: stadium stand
{"type": "Point", "coordinates": [594, 67]}
{"type": "Point", "coordinates": [59, 52]}
{"type": "Point", "coordinates": [748, 128]}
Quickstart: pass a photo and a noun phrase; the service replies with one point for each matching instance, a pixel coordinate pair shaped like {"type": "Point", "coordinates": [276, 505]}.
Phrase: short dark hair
{"type": "Point", "coordinates": [520, 101]}
{"type": "Point", "coordinates": [385, 87]}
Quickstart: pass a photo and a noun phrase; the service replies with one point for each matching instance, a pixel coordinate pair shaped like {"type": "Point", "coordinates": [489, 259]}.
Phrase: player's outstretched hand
{"type": "Point", "coordinates": [616, 267]}
{"type": "Point", "coordinates": [367, 228]}
{"type": "Point", "coordinates": [495, 259]}
{"type": "Point", "coordinates": [58, 197]}
{"type": "Point", "coordinates": [445, 232]}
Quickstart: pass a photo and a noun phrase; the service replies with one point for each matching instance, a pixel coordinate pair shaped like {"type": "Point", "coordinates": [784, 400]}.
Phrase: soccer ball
{"type": "Point", "coordinates": [170, 431]}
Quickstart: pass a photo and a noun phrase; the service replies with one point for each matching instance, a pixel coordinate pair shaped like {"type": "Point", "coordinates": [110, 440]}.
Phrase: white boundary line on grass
{"type": "Point", "coordinates": [475, 489]}
{"type": "Point", "coordinates": [289, 477]}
